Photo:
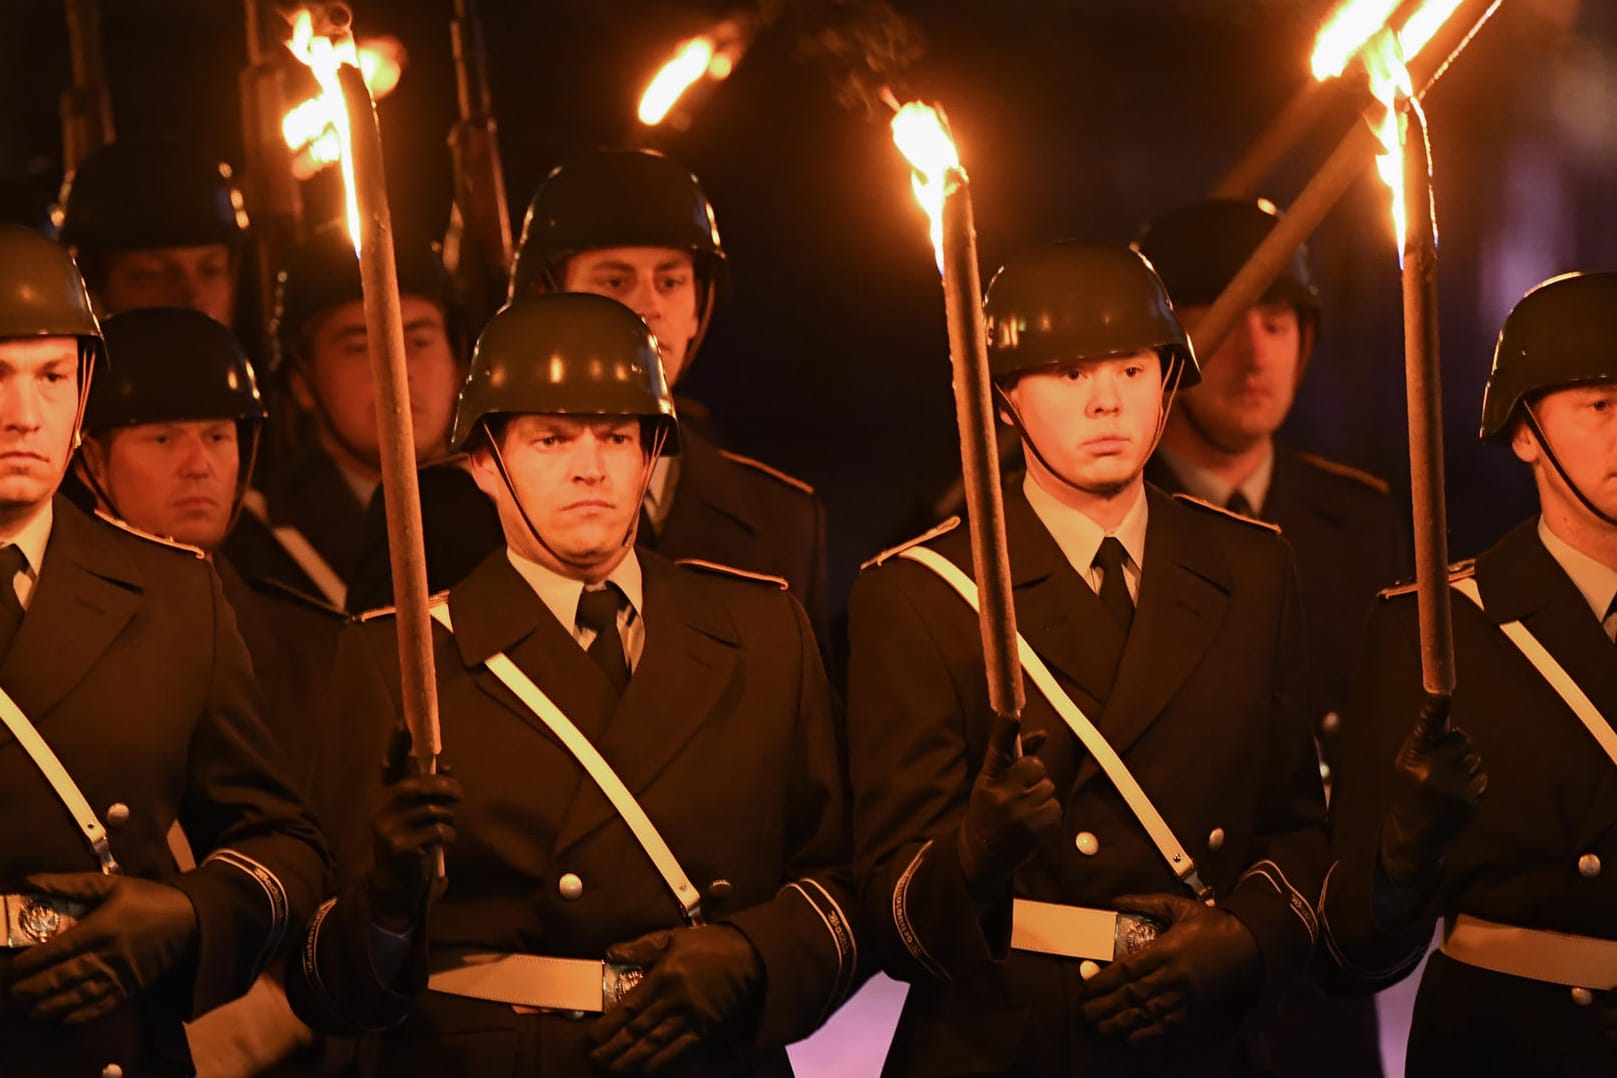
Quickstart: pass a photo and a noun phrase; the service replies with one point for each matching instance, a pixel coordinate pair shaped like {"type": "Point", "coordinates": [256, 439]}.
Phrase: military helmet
{"type": "Point", "coordinates": [169, 364]}
{"type": "Point", "coordinates": [565, 353]}
{"type": "Point", "coordinates": [138, 194]}
{"type": "Point", "coordinates": [615, 198]}
{"type": "Point", "coordinates": [41, 292]}
{"type": "Point", "coordinates": [1562, 333]}
{"type": "Point", "coordinates": [1071, 300]}
{"type": "Point", "coordinates": [1198, 249]}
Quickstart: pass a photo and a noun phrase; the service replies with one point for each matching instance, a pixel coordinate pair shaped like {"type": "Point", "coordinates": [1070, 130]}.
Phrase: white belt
{"type": "Point", "coordinates": [300, 550]}
{"type": "Point", "coordinates": [1533, 953]}
{"type": "Point", "coordinates": [1078, 932]}
{"type": "Point", "coordinates": [67, 791]}
{"type": "Point", "coordinates": [32, 919]}
{"type": "Point", "coordinates": [531, 980]}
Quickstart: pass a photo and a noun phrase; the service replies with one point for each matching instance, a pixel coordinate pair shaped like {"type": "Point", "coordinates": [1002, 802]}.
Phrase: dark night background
{"type": "Point", "coordinates": [1076, 118]}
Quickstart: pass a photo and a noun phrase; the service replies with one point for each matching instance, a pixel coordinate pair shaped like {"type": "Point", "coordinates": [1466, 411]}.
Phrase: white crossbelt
{"type": "Point", "coordinates": [300, 550]}
{"type": "Point", "coordinates": [531, 980]}
{"type": "Point", "coordinates": [1552, 672]}
{"type": "Point", "coordinates": [1173, 852]}
{"type": "Point", "coordinates": [645, 832]}
{"type": "Point", "coordinates": [1532, 953]}
{"type": "Point", "coordinates": [67, 791]}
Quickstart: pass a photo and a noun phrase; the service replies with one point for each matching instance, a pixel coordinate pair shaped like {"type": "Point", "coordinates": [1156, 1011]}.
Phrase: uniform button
{"type": "Point", "coordinates": [112, 1070]}
{"type": "Point", "coordinates": [1330, 723]}
{"type": "Point", "coordinates": [719, 890]}
{"type": "Point", "coordinates": [1582, 997]}
{"type": "Point", "coordinates": [1087, 844]}
{"type": "Point", "coordinates": [570, 886]}
{"type": "Point", "coordinates": [1215, 839]}
{"type": "Point", "coordinates": [117, 814]}
{"type": "Point", "coordinates": [1088, 968]}
{"type": "Point", "coordinates": [1588, 866]}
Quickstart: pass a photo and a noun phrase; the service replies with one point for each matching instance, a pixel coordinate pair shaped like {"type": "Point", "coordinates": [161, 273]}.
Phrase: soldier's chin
{"type": "Point", "coordinates": [21, 491]}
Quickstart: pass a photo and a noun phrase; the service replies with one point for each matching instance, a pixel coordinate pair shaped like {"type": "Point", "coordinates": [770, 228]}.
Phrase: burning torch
{"type": "Point", "coordinates": [944, 191]}
{"type": "Point", "coordinates": [477, 246]}
{"type": "Point", "coordinates": [708, 57]}
{"type": "Point", "coordinates": [86, 106]}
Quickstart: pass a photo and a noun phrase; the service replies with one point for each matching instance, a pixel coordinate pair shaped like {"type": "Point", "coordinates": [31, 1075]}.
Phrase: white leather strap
{"type": "Point", "coordinates": [1173, 852]}
{"type": "Point", "coordinates": [1552, 672]}
{"type": "Point", "coordinates": [301, 551]}
{"type": "Point", "coordinates": [67, 791]}
{"type": "Point", "coordinates": [1534, 953]}
{"type": "Point", "coordinates": [645, 832]}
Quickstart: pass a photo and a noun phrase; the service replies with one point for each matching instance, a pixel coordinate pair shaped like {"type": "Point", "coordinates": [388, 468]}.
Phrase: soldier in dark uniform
{"type": "Point", "coordinates": [155, 223]}
{"type": "Point", "coordinates": [990, 876]}
{"type": "Point", "coordinates": [1219, 445]}
{"type": "Point", "coordinates": [637, 227]}
{"type": "Point", "coordinates": [321, 502]}
{"type": "Point", "coordinates": [123, 655]}
{"type": "Point", "coordinates": [703, 691]}
{"type": "Point", "coordinates": [1523, 981]}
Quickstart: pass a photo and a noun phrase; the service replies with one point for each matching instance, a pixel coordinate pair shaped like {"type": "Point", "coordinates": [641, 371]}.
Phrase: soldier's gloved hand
{"type": "Point", "coordinates": [1438, 782]}
{"type": "Point", "coordinates": [1013, 804]}
{"type": "Point", "coordinates": [696, 980]}
{"type": "Point", "coordinates": [416, 818]}
{"type": "Point", "coordinates": [1203, 972]}
{"type": "Point", "coordinates": [138, 931]}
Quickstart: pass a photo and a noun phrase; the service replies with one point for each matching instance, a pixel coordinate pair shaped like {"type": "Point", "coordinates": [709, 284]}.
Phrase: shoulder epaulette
{"type": "Point", "coordinates": [703, 565]}
{"type": "Point", "coordinates": [150, 537]}
{"type": "Point", "coordinates": [1199, 503]}
{"type": "Point", "coordinates": [1458, 571]}
{"type": "Point", "coordinates": [1346, 471]}
{"type": "Point", "coordinates": [434, 599]}
{"type": "Point", "coordinates": [944, 528]}
{"type": "Point", "coordinates": [774, 473]}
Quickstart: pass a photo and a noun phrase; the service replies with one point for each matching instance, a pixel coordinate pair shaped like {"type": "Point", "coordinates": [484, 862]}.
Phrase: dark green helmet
{"type": "Point", "coordinates": [139, 194]}
{"type": "Point", "coordinates": [1562, 333]}
{"type": "Point", "coordinates": [1198, 249]}
{"type": "Point", "coordinates": [616, 198]}
{"type": "Point", "coordinates": [1069, 301]}
{"type": "Point", "coordinates": [567, 353]}
{"type": "Point", "coordinates": [42, 294]}
{"type": "Point", "coordinates": [169, 364]}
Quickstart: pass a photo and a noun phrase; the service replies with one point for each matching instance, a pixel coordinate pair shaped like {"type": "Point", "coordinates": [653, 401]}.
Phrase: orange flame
{"type": "Point", "coordinates": [1390, 82]}
{"type": "Point", "coordinates": [921, 134]}
{"type": "Point", "coordinates": [1355, 23]}
{"type": "Point", "coordinates": [712, 55]}
{"type": "Point", "coordinates": [324, 55]}
{"type": "Point", "coordinates": [308, 128]}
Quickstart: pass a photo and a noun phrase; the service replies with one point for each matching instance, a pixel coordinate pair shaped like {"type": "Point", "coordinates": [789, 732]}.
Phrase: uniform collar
{"type": "Point", "coordinates": [1596, 581]}
{"type": "Point", "coordinates": [34, 537]}
{"type": "Point", "coordinates": [560, 593]}
{"type": "Point", "coordinates": [1078, 536]}
{"type": "Point", "coordinates": [1201, 483]}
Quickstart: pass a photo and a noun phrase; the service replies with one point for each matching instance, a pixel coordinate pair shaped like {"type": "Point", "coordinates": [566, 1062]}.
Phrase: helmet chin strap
{"type": "Point", "coordinates": [1555, 461]}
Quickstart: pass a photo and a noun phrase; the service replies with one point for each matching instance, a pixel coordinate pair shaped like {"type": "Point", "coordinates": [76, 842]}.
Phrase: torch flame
{"type": "Point", "coordinates": [690, 63]}
{"type": "Point", "coordinates": [922, 135]}
{"type": "Point", "coordinates": [1390, 82]}
{"type": "Point", "coordinates": [324, 55]}
{"type": "Point", "coordinates": [308, 128]}
{"type": "Point", "coordinates": [1355, 23]}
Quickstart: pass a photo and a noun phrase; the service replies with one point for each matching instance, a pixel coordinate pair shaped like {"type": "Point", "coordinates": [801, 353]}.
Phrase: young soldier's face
{"type": "Point", "coordinates": [1580, 423]}
{"type": "Point", "coordinates": [39, 403]}
{"type": "Point", "coordinates": [657, 283]}
{"type": "Point", "coordinates": [579, 481]}
{"type": "Point", "coordinates": [202, 278]}
{"type": "Point", "coordinates": [1248, 385]}
{"type": "Point", "coordinates": [333, 378]}
{"type": "Point", "coordinates": [1095, 420]}
{"type": "Point", "coordinates": [173, 479]}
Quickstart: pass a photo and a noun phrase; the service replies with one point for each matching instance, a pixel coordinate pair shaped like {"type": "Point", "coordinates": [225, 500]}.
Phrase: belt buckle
{"type": "Point", "coordinates": [1135, 932]}
{"type": "Point", "coordinates": [35, 919]}
{"type": "Point", "coordinates": [617, 981]}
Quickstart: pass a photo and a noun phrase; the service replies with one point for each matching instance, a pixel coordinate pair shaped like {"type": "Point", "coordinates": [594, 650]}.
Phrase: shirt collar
{"type": "Point", "coordinates": [560, 593]}
{"type": "Point", "coordinates": [1203, 484]}
{"type": "Point", "coordinates": [1078, 536]}
{"type": "Point", "coordinates": [34, 537]}
{"type": "Point", "coordinates": [1595, 580]}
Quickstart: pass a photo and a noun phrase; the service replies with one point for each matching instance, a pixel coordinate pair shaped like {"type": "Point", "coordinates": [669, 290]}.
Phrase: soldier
{"type": "Point", "coordinates": [1522, 983]}
{"type": "Point", "coordinates": [322, 501]}
{"type": "Point", "coordinates": [1219, 445]}
{"type": "Point", "coordinates": [623, 726]}
{"type": "Point", "coordinates": [135, 708]}
{"type": "Point", "coordinates": [155, 223]}
{"type": "Point", "coordinates": [637, 227]}
{"type": "Point", "coordinates": [1174, 626]}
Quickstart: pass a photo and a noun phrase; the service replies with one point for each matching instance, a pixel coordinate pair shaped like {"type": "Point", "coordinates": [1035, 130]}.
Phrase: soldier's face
{"type": "Point", "coordinates": [202, 278]}
{"type": "Point", "coordinates": [1095, 421]}
{"type": "Point", "coordinates": [334, 379]}
{"type": "Point", "coordinates": [579, 481]}
{"type": "Point", "coordinates": [1580, 423]}
{"type": "Point", "coordinates": [1248, 385]}
{"type": "Point", "coordinates": [173, 479]}
{"type": "Point", "coordinates": [39, 404]}
{"type": "Point", "coordinates": [657, 283]}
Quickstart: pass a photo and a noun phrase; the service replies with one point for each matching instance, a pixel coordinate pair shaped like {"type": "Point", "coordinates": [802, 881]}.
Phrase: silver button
{"type": "Point", "coordinates": [1088, 968]}
{"type": "Point", "coordinates": [1330, 723]}
{"type": "Point", "coordinates": [1588, 866]}
{"type": "Point", "coordinates": [570, 886]}
{"type": "Point", "coordinates": [719, 890]}
{"type": "Point", "coordinates": [117, 814]}
{"type": "Point", "coordinates": [1215, 839]}
{"type": "Point", "coordinates": [1582, 997]}
{"type": "Point", "coordinates": [112, 1070]}
{"type": "Point", "coordinates": [1087, 844]}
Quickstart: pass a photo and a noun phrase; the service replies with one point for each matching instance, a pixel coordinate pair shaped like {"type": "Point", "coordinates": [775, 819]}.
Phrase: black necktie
{"type": "Point", "coordinates": [1114, 590]}
{"type": "Point", "coordinates": [598, 610]}
{"type": "Point", "coordinates": [1237, 503]}
{"type": "Point", "coordinates": [12, 562]}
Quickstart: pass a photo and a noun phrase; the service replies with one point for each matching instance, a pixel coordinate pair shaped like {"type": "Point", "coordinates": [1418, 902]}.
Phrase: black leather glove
{"type": "Point", "coordinates": [1608, 1018]}
{"type": "Point", "coordinates": [1202, 974]}
{"type": "Point", "coordinates": [696, 980]}
{"type": "Point", "coordinates": [1438, 782]}
{"type": "Point", "coordinates": [416, 819]}
{"type": "Point", "coordinates": [1013, 804]}
{"type": "Point", "coordinates": [138, 931]}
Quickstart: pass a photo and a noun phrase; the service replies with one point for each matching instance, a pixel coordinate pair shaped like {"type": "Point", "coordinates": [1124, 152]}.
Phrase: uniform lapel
{"type": "Point", "coordinates": [85, 596]}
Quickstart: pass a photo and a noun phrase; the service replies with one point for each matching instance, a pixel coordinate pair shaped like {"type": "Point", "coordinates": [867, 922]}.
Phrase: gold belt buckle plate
{"type": "Point", "coordinates": [1135, 932]}
{"type": "Point", "coordinates": [618, 981]}
{"type": "Point", "coordinates": [36, 919]}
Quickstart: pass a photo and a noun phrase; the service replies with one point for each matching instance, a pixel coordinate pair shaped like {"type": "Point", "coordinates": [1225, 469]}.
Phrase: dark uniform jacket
{"type": "Point", "coordinates": [1551, 799]}
{"type": "Point", "coordinates": [1205, 703]}
{"type": "Point", "coordinates": [725, 735]}
{"type": "Point", "coordinates": [129, 664]}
